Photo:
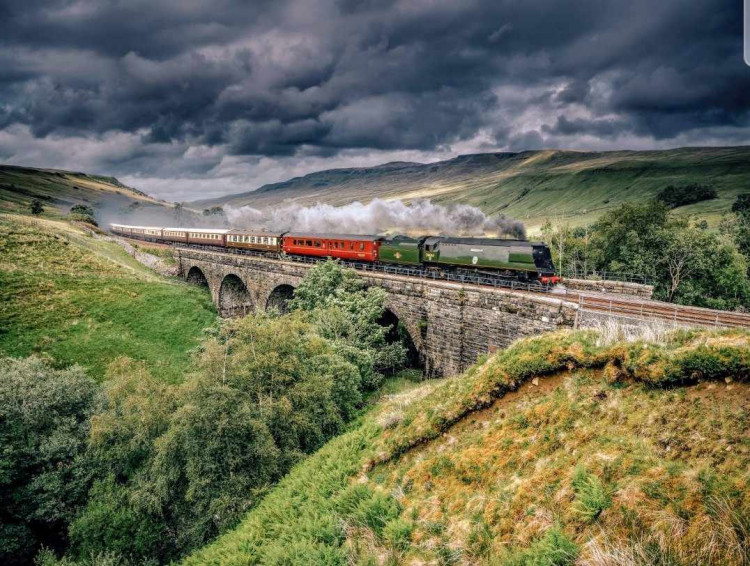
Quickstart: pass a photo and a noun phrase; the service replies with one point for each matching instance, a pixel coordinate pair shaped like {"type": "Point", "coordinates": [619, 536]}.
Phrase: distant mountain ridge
{"type": "Point", "coordinates": [528, 185]}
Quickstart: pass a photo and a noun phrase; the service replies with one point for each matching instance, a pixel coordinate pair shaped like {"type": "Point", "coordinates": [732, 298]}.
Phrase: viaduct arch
{"type": "Point", "coordinates": [450, 324]}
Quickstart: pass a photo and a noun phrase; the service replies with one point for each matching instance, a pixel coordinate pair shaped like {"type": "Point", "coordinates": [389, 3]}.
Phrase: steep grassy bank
{"type": "Point", "coordinates": [85, 301]}
{"type": "Point", "coordinates": [560, 450]}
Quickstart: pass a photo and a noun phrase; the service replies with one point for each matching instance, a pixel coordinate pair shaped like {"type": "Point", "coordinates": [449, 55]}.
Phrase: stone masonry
{"type": "Point", "coordinates": [450, 324]}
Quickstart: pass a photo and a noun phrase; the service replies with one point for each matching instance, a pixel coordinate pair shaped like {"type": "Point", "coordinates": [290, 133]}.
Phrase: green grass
{"type": "Point", "coordinates": [81, 300]}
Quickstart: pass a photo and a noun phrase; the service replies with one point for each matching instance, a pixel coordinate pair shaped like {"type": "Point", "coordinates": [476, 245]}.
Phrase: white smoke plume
{"type": "Point", "coordinates": [378, 217]}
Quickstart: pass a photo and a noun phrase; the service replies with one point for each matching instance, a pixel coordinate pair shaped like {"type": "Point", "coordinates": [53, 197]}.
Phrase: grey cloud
{"type": "Point", "coordinates": [298, 78]}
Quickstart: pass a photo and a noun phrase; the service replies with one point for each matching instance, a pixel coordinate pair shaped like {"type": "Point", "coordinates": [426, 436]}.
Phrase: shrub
{"type": "Point", "coordinates": [348, 314]}
{"type": "Point", "coordinates": [741, 203]}
{"type": "Point", "coordinates": [369, 509]}
{"type": "Point", "coordinates": [36, 207]}
{"type": "Point", "coordinates": [555, 548]}
{"type": "Point", "coordinates": [591, 496]}
{"type": "Point", "coordinates": [82, 209]}
{"type": "Point", "coordinates": [44, 424]}
{"type": "Point", "coordinates": [112, 524]}
{"type": "Point", "coordinates": [680, 195]}
{"type": "Point", "coordinates": [397, 534]}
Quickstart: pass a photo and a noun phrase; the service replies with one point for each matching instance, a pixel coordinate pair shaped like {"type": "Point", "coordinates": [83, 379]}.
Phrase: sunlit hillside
{"type": "Point", "coordinates": [530, 186]}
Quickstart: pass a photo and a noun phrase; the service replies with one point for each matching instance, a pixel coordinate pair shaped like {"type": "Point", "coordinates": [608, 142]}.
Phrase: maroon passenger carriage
{"type": "Point", "coordinates": [340, 246]}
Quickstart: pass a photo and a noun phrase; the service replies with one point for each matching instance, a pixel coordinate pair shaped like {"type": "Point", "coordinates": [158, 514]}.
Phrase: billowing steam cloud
{"type": "Point", "coordinates": [378, 217]}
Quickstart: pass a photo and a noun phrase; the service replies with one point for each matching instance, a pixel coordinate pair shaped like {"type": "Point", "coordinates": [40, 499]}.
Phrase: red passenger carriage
{"type": "Point", "coordinates": [341, 246]}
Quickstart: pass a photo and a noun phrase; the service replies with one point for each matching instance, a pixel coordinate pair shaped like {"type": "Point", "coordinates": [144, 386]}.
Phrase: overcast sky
{"type": "Point", "coordinates": [192, 99]}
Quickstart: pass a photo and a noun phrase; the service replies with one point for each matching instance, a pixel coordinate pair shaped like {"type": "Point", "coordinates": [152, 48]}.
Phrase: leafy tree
{"type": "Point", "coordinates": [737, 227]}
{"type": "Point", "coordinates": [741, 203]}
{"type": "Point", "coordinates": [44, 424]}
{"type": "Point", "coordinates": [680, 195]}
{"type": "Point", "coordinates": [630, 238]}
{"type": "Point", "coordinates": [36, 207]}
{"type": "Point", "coordinates": [189, 460]}
{"type": "Point", "coordinates": [82, 209]}
{"type": "Point", "coordinates": [213, 211]}
{"type": "Point", "coordinates": [687, 262]}
{"type": "Point", "coordinates": [112, 524]}
{"type": "Point", "coordinates": [349, 314]}
{"type": "Point", "coordinates": [571, 249]}
{"type": "Point", "coordinates": [83, 213]}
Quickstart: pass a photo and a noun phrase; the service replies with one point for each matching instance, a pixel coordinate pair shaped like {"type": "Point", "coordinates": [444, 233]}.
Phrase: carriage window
{"type": "Point", "coordinates": [309, 242]}
{"type": "Point", "coordinates": [361, 246]}
{"type": "Point", "coordinates": [317, 243]}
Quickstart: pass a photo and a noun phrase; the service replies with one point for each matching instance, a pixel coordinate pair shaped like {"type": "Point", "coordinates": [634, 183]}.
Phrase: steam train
{"type": "Point", "coordinates": [517, 259]}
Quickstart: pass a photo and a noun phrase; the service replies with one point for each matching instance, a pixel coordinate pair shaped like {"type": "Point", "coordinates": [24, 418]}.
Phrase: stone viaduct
{"type": "Point", "coordinates": [450, 325]}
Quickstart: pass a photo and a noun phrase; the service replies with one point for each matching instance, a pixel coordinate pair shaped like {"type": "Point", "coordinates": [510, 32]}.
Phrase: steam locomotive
{"type": "Point", "coordinates": [518, 259]}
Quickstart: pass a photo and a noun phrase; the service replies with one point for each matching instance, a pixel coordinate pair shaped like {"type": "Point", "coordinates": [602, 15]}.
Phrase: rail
{"type": "Point", "coordinates": [677, 314]}
{"type": "Point", "coordinates": [605, 275]}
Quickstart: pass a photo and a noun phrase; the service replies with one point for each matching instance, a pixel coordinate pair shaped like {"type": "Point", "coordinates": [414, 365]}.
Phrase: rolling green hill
{"type": "Point", "coordinates": [529, 186]}
{"type": "Point", "coordinates": [565, 448]}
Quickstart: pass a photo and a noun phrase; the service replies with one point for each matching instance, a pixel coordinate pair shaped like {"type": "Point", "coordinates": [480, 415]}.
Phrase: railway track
{"type": "Point", "coordinates": [668, 312]}
{"type": "Point", "coordinates": [624, 307]}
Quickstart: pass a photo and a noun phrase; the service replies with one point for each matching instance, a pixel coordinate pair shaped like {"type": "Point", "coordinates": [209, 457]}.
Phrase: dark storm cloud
{"type": "Point", "coordinates": [295, 78]}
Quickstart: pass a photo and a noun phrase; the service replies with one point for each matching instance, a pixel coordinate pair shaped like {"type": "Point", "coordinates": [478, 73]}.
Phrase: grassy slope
{"type": "Point", "coordinates": [86, 301]}
{"type": "Point", "coordinates": [600, 461]}
{"type": "Point", "coordinates": [530, 186]}
{"type": "Point", "coordinates": [63, 189]}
